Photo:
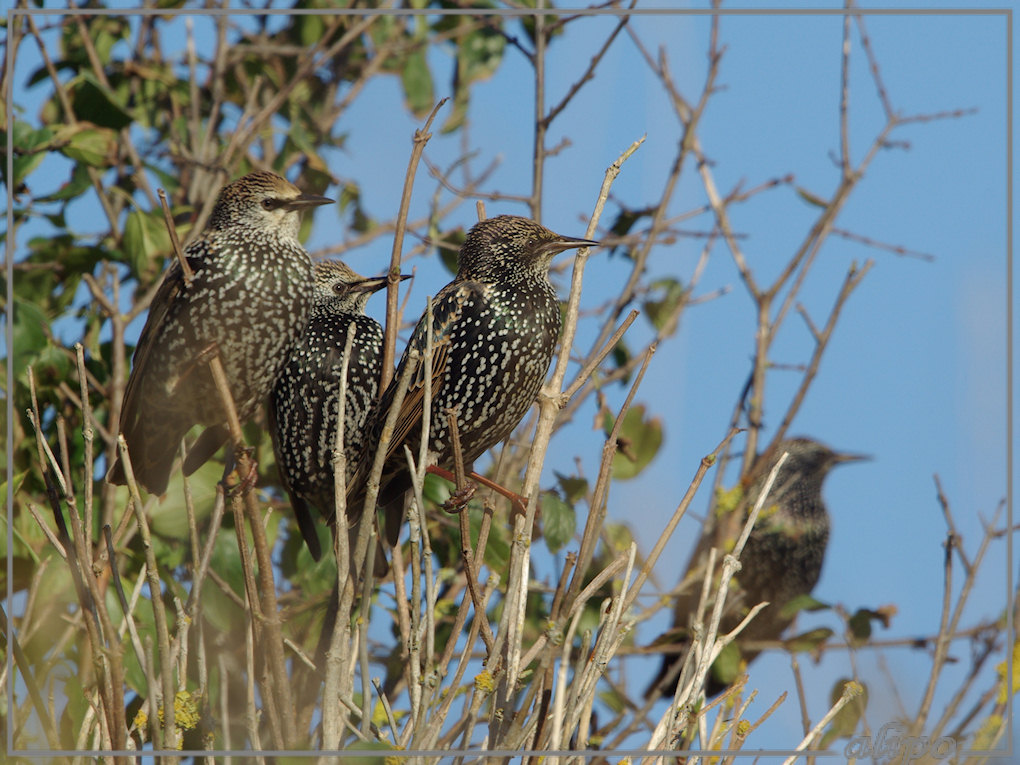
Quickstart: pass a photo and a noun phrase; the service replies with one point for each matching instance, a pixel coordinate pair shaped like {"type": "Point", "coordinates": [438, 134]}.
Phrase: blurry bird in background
{"type": "Point", "coordinates": [781, 560]}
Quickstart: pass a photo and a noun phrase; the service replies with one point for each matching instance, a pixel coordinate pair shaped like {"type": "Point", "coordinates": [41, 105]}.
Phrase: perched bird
{"type": "Point", "coordinates": [494, 329]}
{"type": "Point", "coordinates": [249, 297]}
{"type": "Point", "coordinates": [781, 560]}
{"type": "Point", "coordinates": [304, 403]}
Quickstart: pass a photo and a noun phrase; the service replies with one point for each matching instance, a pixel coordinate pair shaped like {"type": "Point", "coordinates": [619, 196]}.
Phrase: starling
{"type": "Point", "coordinates": [494, 329]}
{"type": "Point", "coordinates": [303, 406]}
{"type": "Point", "coordinates": [781, 560]}
{"type": "Point", "coordinates": [249, 296]}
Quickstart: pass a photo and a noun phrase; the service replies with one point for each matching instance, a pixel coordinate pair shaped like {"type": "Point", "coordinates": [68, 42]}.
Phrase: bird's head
{"type": "Point", "coordinates": [808, 460]}
{"type": "Point", "coordinates": [807, 464]}
{"type": "Point", "coordinates": [342, 288]}
{"type": "Point", "coordinates": [265, 201]}
{"type": "Point", "coordinates": [509, 243]}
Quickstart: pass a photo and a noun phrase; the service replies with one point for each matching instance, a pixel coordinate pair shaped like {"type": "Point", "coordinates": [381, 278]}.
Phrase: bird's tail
{"type": "Point", "coordinates": [152, 459]}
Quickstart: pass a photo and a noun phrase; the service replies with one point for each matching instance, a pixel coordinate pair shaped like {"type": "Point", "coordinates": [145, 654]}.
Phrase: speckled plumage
{"type": "Point", "coordinates": [494, 329]}
{"type": "Point", "coordinates": [250, 296]}
{"type": "Point", "coordinates": [783, 556]}
{"type": "Point", "coordinates": [304, 403]}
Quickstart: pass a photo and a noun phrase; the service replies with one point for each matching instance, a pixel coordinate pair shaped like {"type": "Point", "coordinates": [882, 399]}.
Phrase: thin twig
{"type": "Point", "coordinates": [850, 691]}
{"type": "Point", "coordinates": [421, 137]}
{"type": "Point", "coordinates": [158, 609]}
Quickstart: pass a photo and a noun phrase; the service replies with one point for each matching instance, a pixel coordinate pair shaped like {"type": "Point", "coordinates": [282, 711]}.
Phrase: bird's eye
{"type": "Point", "coordinates": [269, 204]}
{"type": "Point", "coordinates": [339, 288]}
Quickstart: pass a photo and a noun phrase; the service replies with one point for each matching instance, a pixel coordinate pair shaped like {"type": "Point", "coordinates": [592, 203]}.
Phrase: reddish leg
{"type": "Point", "coordinates": [460, 497]}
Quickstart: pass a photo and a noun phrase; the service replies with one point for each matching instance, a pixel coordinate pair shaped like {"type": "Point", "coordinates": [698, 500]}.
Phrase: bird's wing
{"type": "Point", "coordinates": [447, 308]}
{"type": "Point", "coordinates": [172, 284]}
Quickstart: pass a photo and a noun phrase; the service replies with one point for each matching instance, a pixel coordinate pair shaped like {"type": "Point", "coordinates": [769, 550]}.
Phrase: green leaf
{"type": "Point", "coordinates": [93, 146]}
{"type": "Point", "coordinates": [436, 489]}
{"type": "Point", "coordinates": [350, 194]}
{"type": "Point", "coordinates": [811, 198]}
{"type": "Point", "coordinates": [882, 614]}
{"type": "Point", "coordinates": [726, 667]}
{"type": "Point", "coordinates": [624, 223]}
{"type": "Point", "coordinates": [111, 30]}
{"type": "Point", "coordinates": [637, 443]}
{"type": "Point", "coordinates": [221, 611]}
{"type": "Point", "coordinates": [169, 516]}
{"type": "Point", "coordinates": [860, 625]}
{"type": "Point", "coordinates": [29, 331]}
{"type": "Point", "coordinates": [619, 536]}
{"type": "Point", "coordinates": [385, 29]}
{"type": "Point", "coordinates": [801, 603]}
{"type": "Point", "coordinates": [145, 239]}
{"type": "Point", "coordinates": [497, 548]}
{"type": "Point", "coordinates": [417, 82]}
{"type": "Point", "coordinates": [574, 489]}
{"type": "Point", "coordinates": [310, 28]}
{"type": "Point", "coordinates": [559, 521]}
{"type": "Point", "coordinates": [860, 628]}
{"type": "Point", "coordinates": [96, 103]}
{"type": "Point", "coordinates": [846, 720]}
{"type": "Point", "coordinates": [621, 356]}
{"type": "Point", "coordinates": [479, 54]}
{"type": "Point", "coordinates": [528, 22]}
{"type": "Point", "coordinates": [809, 641]}
{"type": "Point", "coordinates": [73, 188]}
{"type": "Point", "coordinates": [144, 624]}
{"type": "Point", "coordinates": [660, 311]}
{"type": "Point", "coordinates": [28, 145]}
{"type": "Point", "coordinates": [26, 138]}
{"type": "Point", "coordinates": [78, 706]}
{"type": "Point", "coordinates": [614, 699]}
{"type": "Point", "coordinates": [50, 366]}
{"type": "Point", "coordinates": [449, 248]}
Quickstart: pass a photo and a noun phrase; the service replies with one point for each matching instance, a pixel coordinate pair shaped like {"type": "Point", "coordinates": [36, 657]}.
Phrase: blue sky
{"type": "Point", "coordinates": [915, 374]}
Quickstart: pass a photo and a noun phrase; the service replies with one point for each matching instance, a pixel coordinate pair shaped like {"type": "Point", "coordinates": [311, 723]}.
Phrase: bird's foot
{"type": "Point", "coordinates": [460, 498]}
{"type": "Point", "coordinates": [233, 468]}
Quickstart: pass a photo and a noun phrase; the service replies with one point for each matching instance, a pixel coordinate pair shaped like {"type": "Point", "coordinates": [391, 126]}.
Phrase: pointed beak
{"type": "Point", "coordinates": [839, 458]}
{"type": "Point", "coordinates": [375, 283]}
{"type": "Point", "coordinates": [562, 243]}
{"type": "Point", "coordinates": [307, 200]}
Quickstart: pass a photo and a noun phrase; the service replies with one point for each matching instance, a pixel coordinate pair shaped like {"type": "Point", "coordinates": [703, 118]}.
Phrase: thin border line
{"type": "Point", "coordinates": [381, 753]}
{"type": "Point", "coordinates": [1010, 604]}
{"type": "Point", "coordinates": [512, 12]}
{"type": "Point", "coordinates": [10, 249]}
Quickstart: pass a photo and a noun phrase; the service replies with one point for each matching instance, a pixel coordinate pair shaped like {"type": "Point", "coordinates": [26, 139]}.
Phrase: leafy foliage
{"type": "Point", "coordinates": [127, 105]}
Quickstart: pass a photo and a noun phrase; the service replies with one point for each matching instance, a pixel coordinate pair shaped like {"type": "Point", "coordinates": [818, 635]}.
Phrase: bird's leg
{"type": "Point", "coordinates": [455, 503]}
{"type": "Point", "coordinates": [232, 464]}
{"type": "Point", "coordinates": [465, 489]}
